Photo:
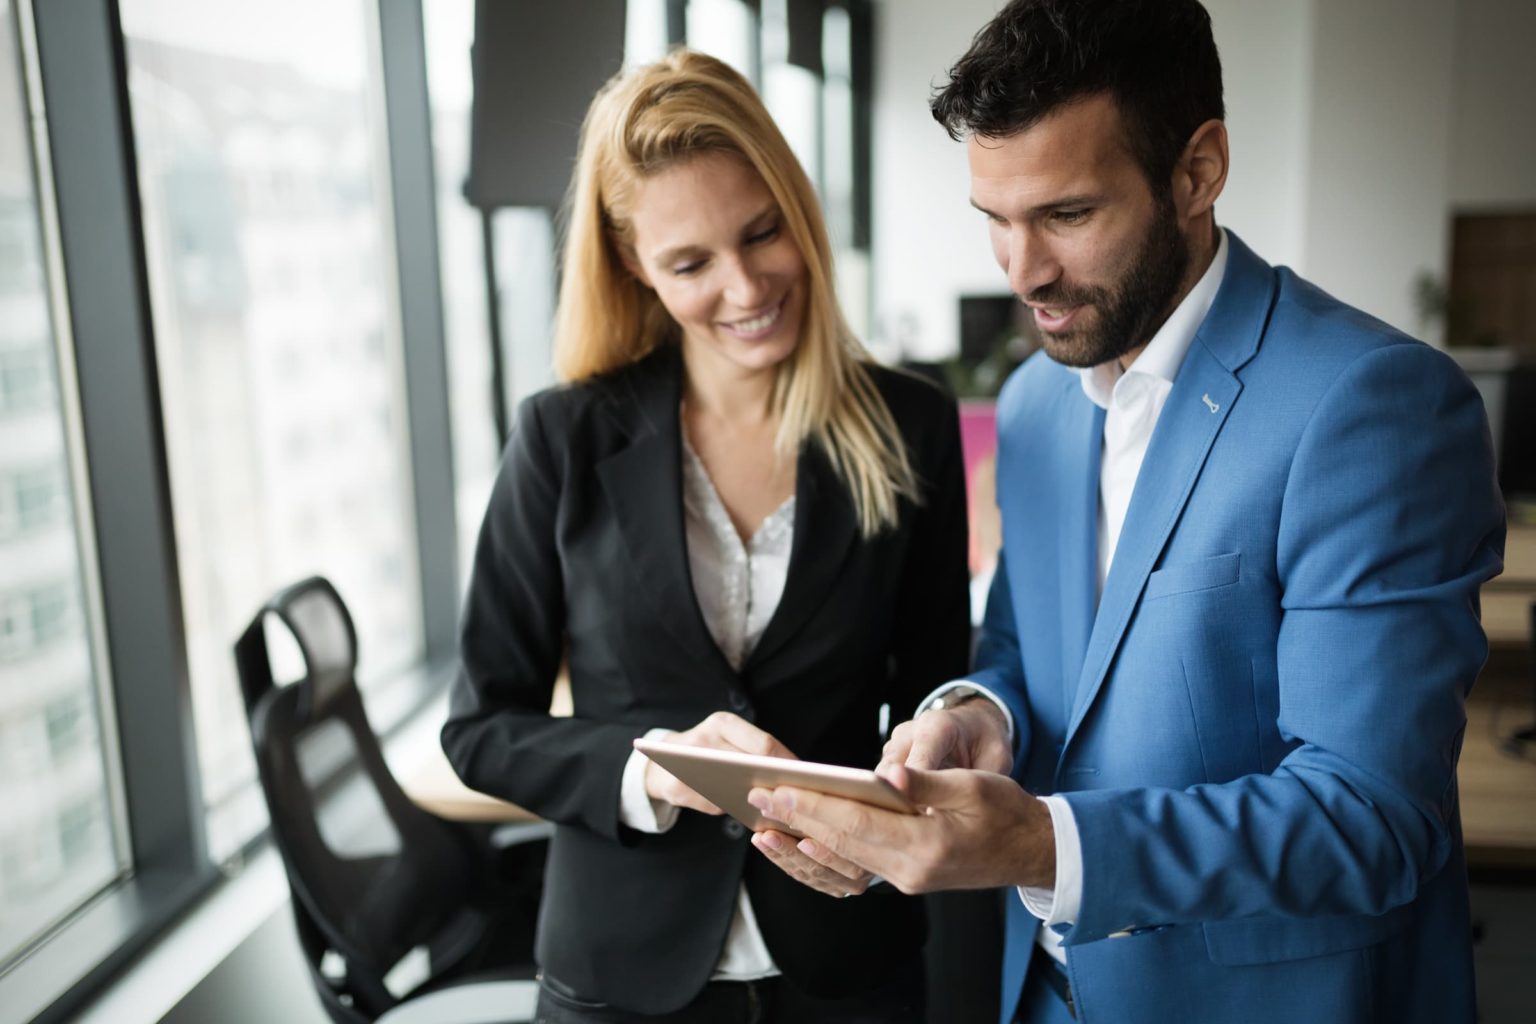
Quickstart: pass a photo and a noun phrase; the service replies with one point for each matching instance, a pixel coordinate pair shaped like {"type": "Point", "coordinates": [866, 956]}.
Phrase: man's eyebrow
{"type": "Point", "coordinates": [1064, 203]}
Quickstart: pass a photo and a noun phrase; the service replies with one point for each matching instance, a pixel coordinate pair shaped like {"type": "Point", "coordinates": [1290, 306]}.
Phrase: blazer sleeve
{"type": "Point", "coordinates": [499, 735]}
{"type": "Point", "coordinates": [931, 640]}
{"type": "Point", "coordinates": [1000, 664]}
{"type": "Point", "coordinates": [1390, 522]}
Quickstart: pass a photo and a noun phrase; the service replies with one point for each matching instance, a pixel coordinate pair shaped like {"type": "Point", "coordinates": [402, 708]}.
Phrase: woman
{"type": "Point", "coordinates": [737, 529]}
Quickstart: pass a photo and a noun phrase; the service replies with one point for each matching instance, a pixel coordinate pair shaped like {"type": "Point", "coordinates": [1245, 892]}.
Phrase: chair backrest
{"type": "Point", "coordinates": [371, 906]}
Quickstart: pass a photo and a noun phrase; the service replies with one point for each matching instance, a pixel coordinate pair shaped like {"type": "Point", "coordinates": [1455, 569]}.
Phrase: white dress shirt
{"type": "Point", "coordinates": [738, 586]}
{"type": "Point", "coordinates": [1132, 400]}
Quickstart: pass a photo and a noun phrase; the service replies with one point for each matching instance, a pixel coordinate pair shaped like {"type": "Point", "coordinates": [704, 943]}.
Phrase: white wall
{"type": "Point", "coordinates": [1379, 163]}
{"type": "Point", "coordinates": [1266, 50]}
{"type": "Point", "coordinates": [1357, 128]}
{"type": "Point", "coordinates": [930, 247]}
{"type": "Point", "coordinates": [1493, 131]}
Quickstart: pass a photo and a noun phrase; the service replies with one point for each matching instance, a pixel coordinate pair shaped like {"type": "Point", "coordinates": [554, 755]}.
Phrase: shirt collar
{"type": "Point", "coordinates": [1165, 352]}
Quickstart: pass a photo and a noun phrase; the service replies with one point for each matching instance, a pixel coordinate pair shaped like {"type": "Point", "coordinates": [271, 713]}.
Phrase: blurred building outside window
{"type": "Point", "coordinates": [264, 183]}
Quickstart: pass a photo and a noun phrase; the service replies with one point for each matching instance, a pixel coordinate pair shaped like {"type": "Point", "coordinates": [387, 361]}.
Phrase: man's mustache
{"type": "Point", "coordinates": [1058, 296]}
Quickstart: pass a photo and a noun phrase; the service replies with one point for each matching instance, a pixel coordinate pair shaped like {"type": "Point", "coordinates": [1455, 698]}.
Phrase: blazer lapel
{"type": "Point", "coordinates": [644, 486]}
{"type": "Point", "coordinates": [1196, 410]}
{"type": "Point", "coordinates": [825, 529]}
{"type": "Point", "coordinates": [1077, 519]}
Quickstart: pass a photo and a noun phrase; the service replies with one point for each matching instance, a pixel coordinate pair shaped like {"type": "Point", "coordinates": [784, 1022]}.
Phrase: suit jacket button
{"type": "Point", "coordinates": [733, 829]}
{"type": "Point", "coordinates": [739, 701]}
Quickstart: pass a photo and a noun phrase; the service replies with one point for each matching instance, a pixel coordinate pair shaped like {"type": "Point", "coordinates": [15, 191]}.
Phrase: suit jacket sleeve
{"type": "Point", "coordinates": [999, 663]}
{"type": "Point", "coordinates": [1390, 522]}
{"type": "Point", "coordinates": [499, 735]}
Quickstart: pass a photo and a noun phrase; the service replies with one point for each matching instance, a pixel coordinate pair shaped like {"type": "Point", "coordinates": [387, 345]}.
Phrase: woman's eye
{"type": "Point", "coordinates": [766, 235]}
{"type": "Point", "coordinates": [688, 269]}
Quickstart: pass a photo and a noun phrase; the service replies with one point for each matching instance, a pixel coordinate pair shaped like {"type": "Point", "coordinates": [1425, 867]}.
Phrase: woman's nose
{"type": "Point", "coordinates": [748, 286]}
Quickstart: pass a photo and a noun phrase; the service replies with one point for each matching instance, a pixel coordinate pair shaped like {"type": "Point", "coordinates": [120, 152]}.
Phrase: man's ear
{"type": "Point", "coordinates": [1201, 173]}
{"type": "Point", "coordinates": [632, 262]}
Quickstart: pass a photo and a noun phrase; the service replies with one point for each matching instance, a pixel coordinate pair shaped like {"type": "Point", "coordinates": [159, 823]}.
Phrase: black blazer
{"type": "Point", "coordinates": [582, 554]}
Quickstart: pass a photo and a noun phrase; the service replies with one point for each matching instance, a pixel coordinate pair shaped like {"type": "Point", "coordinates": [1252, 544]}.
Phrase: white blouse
{"type": "Point", "coordinates": [738, 586]}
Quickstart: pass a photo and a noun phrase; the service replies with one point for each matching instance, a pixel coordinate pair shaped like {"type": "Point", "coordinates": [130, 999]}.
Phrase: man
{"type": "Point", "coordinates": [1235, 618]}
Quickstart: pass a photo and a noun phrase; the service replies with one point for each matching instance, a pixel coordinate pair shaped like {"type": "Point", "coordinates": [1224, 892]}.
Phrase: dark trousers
{"type": "Point", "coordinates": [769, 1001]}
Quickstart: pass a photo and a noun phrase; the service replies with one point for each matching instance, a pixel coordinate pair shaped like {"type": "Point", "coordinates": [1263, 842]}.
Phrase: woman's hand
{"type": "Point", "coordinates": [720, 731]}
{"type": "Point", "coordinates": [810, 863]}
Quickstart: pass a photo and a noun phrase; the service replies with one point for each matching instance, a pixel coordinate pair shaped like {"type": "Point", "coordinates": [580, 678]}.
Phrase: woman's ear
{"type": "Point", "coordinates": [631, 262]}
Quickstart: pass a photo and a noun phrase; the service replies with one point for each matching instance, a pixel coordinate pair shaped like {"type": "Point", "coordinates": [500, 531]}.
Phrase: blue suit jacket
{"type": "Point", "coordinates": [1257, 726]}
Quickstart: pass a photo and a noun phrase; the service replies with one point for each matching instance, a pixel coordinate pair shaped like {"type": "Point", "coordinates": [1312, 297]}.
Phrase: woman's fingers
{"type": "Point", "coordinates": [791, 858]}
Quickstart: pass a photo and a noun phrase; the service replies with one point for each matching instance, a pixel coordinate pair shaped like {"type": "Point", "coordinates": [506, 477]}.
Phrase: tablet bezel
{"type": "Point", "coordinates": [724, 777]}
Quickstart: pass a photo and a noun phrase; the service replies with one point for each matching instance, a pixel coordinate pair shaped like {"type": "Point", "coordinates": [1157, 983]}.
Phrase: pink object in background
{"type": "Point", "coordinates": [978, 433]}
{"type": "Point", "coordinates": [978, 446]}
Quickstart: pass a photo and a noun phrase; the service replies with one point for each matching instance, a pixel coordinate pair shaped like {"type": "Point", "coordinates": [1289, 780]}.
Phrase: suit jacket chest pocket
{"type": "Point", "coordinates": [1188, 577]}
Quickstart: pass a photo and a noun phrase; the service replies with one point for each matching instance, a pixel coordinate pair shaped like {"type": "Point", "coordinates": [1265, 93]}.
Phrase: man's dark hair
{"type": "Point", "coordinates": [1156, 58]}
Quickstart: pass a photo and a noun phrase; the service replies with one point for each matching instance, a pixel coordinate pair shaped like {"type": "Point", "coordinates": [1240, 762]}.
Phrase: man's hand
{"type": "Point", "coordinates": [720, 731]}
{"type": "Point", "coordinates": [971, 735]}
{"type": "Point", "coordinates": [977, 830]}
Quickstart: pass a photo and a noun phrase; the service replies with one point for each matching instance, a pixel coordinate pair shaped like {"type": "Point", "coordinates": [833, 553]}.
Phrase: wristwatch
{"type": "Point", "coordinates": [954, 698]}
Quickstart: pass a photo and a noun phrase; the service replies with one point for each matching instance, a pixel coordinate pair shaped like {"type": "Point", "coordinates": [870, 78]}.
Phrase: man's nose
{"type": "Point", "coordinates": [1031, 264]}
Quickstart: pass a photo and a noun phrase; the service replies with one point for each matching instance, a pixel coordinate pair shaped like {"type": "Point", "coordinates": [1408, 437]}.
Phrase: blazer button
{"type": "Point", "coordinates": [733, 829]}
{"type": "Point", "coordinates": [739, 701]}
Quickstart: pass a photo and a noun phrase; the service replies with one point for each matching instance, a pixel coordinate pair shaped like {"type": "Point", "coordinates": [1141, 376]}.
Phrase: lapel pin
{"type": "Point", "coordinates": [1206, 398]}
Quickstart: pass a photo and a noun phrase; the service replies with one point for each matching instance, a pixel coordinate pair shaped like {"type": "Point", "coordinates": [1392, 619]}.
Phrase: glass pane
{"type": "Point", "coordinates": [645, 31]}
{"type": "Point", "coordinates": [450, 29]}
{"type": "Point", "coordinates": [263, 180]}
{"type": "Point", "coordinates": [58, 840]}
{"type": "Point", "coordinates": [525, 286]}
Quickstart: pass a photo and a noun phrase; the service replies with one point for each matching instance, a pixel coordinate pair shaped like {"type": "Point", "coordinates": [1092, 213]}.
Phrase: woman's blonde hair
{"type": "Point", "coordinates": [645, 121]}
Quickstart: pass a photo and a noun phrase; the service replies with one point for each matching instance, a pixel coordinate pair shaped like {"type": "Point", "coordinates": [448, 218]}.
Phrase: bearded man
{"type": "Point", "coordinates": [1235, 619]}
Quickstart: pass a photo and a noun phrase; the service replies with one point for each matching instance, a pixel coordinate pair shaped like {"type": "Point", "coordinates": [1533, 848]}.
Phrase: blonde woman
{"type": "Point", "coordinates": [740, 532]}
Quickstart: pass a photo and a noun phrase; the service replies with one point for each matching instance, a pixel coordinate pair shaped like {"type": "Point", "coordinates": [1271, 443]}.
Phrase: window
{"type": "Point", "coordinates": [263, 179]}
{"type": "Point", "coordinates": [724, 29]}
{"type": "Point", "coordinates": [449, 28]}
{"type": "Point", "coordinates": [58, 842]}
{"type": "Point", "coordinates": [791, 93]}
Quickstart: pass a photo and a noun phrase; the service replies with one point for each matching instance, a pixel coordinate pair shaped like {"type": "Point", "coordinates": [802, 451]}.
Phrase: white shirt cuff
{"type": "Point", "coordinates": [982, 691]}
{"type": "Point", "coordinates": [636, 808]}
{"type": "Point", "coordinates": [1060, 906]}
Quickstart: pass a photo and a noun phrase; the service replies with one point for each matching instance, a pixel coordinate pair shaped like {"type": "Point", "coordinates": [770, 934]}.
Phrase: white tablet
{"type": "Point", "coordinates": [724, 777]}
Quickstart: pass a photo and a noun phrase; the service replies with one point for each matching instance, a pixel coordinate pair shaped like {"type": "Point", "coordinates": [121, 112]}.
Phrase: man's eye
{"type": "Point", "coordinates": [1070, 216]}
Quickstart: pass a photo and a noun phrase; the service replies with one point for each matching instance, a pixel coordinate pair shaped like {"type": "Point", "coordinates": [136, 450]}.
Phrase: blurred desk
{"type": "Point", "coordinates": [1498, 790]}
{"type": "Point", "coordinates": [1507, 599]}
{"type": "Point", "coordinates": [434, 786]}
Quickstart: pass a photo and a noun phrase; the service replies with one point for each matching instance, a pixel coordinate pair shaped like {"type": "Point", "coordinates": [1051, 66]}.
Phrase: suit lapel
{"type": "Point", "coordinates": [825, 530]}
{"type": "Point", "coordinates": [644, 486]}
{"type": "Point", "coordinates": [1203, 393]}
{"type": "Point", "coordinates": [1077, 520]}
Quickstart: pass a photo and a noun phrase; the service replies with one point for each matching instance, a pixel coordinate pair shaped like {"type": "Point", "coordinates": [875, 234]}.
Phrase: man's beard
{"type": "Point", "coordinates": [1129, 310]}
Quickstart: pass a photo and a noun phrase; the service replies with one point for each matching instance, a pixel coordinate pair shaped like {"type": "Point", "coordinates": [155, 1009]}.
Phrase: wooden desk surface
{"type": "Point", "coordinates": [1507, 598]}
{"type": "Point", "coordinates": [1498, 790]}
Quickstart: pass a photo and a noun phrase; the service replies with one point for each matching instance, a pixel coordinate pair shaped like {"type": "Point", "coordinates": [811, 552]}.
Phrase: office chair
{"type": "Point", "coordinates": [424, 895]}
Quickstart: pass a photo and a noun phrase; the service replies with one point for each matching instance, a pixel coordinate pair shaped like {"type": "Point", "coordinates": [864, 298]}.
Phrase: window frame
{"type": "Point", "coordinates": [75, 58]}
